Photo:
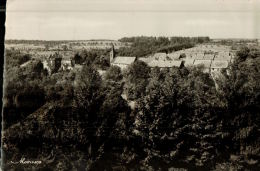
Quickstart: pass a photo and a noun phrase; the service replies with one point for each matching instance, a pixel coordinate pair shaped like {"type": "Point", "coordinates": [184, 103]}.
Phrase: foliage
{"type": "Point", "coordinates": [181, 120]}
{"type": "Point", "coordinates": [136, 76]}
{"type": "Point", "coordinates": [243, 53]}
{"type": "Point", "coordinates": [87, 85]}
{"type": "Point", "coordinates": [97, 57]}
{"type": "Point", "coordinates": [78, 59]}
{"type": "Point", "coordinates": [143, 46]}
{"type": "Point", "coordinates": [114, 74]}
{"type": "Point", "coordinates": [15, 58]}
{"type": "Point", "coordinates": [240, 91]}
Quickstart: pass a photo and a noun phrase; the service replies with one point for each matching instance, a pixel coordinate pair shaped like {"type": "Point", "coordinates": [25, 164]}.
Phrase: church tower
{"type": "Point", "coordinates": [112, 53]}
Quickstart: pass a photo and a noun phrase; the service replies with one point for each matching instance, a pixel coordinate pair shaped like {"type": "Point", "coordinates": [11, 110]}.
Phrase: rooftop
{"type": "Point", "coordinates": [199, 56]}
{"type": "Point", "coordinates": [146, 60]}
{"type": "Point", "coordinates": [26, 63]}
{"type": "Point", "coordinates": [209, 56]}
{"type": "Point", "coordinates": [219, 64]}
{"type": "Point", "coordinates": [160, 56]}
{"type": "Point", "coordinates": [189, 62]}
{"type": "Point", "coordinates": [174, 55]}
{"type": "Point", "coordinates": [164, 64]}
{"type": "Point", "coordinates": [127, 60]}
{"type": "Point", "coordinates": [221, 57]}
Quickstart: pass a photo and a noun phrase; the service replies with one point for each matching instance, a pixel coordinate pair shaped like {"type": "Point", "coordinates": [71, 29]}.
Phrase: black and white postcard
{"type": "Point", "coordinates": [131, 85]}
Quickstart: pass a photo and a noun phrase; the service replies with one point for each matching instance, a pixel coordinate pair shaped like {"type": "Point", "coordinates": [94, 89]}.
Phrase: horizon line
{"type": "Point", "coordinates": [104, 39]}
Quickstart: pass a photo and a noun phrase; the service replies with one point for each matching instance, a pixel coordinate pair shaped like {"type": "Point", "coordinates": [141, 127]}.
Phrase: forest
{"type": "Point", "coordinates": [143, 45]}
{"type": "Point", "coordinates": [181, 120]}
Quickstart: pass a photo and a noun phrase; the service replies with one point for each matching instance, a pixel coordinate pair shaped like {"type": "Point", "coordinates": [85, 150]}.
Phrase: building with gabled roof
{"type": "Point", "coordinates": [120, 61]}
{"type": "Point", "coordinates": [160, 56]}
{"type": "Point", "coordinates": [189, 62]}
{"type": "Point", "coordinates": [127, 60]}
{"type": "Point", "coordinates": [222, 57]}
{"type": "Point", "coordinates": [199, 56]}
{"type": "Point", "coordinates": [174, 56]}
{"type": "Point", "coordinates": [217, 65]}
{"type": "Point", "coordinates": [188, 54]}
{"type": "Point", "coordinates": [165, 64]}
{"type": "Point", "coordinates": [145, 59]}
{"type": "Point", "coordinates": [209, 56]}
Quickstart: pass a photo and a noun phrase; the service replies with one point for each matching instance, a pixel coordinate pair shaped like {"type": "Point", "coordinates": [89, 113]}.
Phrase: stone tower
{"type": "Point", "coordinates": [112, 53]}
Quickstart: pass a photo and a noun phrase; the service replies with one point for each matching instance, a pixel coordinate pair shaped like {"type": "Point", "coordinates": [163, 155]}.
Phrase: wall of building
{"type": "Point", "coordinates": [121, 66]}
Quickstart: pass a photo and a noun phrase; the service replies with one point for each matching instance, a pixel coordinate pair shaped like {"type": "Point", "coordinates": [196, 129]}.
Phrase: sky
{"type": "Point", "coordinates": [114, 19]}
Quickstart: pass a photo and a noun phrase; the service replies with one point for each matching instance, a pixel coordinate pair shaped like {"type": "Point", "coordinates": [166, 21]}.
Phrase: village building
{"type": "Point", "coordinates": [188, 54]}
{"type": "Point", "coordinates": [218, 65]}
{"type": "Point", "coordinates": [163, 60]}
{"type": "Point", "coordinates": [121, 61]}
{"type": "Point", "coordinates": [188, 62]}
{"type": "Point", "coordinates": [166, 64]}
{"type": "Point", "coordinates": [145, 59]}
{"type": "Point", "coordinates": [175, 55]}
{"type": "Point", "coordinates": [209, 56]}
{"type": "Point", "coordinates": [223, 57]}
{"type": "Point", "coordinates": [160, 56]}
{"type": "Point", "coordinates": [199, 56]}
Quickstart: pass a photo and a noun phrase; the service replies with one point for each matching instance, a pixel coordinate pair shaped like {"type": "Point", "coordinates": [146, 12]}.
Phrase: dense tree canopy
{"type": "Point", "coordinates": [98, 57]}
{"type": "Point", "coordinates": [114, 74]}
{"type": "Point", "coordinates": [81, 121]}
{"type": "Point", "coordinates": [136, 76]}
{"type": "Point", "coordinates": [143, 45]}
